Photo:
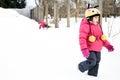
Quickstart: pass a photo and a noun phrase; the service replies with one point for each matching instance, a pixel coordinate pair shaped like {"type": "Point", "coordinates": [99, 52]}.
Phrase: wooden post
{"type": "Point", "coordinates": [68, 13]}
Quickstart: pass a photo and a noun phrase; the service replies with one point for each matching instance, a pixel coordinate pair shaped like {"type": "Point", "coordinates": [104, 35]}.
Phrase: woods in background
{"type": "Point", "coordinates": [12, 3]}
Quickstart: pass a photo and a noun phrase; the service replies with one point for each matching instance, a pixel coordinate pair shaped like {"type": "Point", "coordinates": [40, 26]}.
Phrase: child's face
{"type": "Point", "coordinates": [96, 19]}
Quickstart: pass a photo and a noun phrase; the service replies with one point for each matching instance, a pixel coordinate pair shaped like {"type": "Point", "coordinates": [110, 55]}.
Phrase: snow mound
{"type": "Point", "coordinates": [8, 13]}
{"type": "Point", "coordinates": [10, 19]}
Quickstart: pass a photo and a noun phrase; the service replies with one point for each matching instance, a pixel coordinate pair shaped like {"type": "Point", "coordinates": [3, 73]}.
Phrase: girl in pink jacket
{"type": "Point", "coordinates": [92, 39]}
{"type": "Point", "coordinates": [43, 25]}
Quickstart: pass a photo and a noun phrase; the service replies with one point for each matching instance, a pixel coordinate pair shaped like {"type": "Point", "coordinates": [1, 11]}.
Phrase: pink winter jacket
{"type": "Point", "coordinates": [85, 32]}
{"type": "Point", "coordinates": [42, 24]}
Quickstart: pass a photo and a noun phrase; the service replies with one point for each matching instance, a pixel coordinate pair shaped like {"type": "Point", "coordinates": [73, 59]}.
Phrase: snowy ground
{"type": "Point", "coordinates": [27, 53]}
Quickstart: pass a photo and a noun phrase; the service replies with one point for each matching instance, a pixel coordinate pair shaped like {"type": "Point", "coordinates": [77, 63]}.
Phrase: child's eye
{"type": "Point", "coordinates": [93, 11]}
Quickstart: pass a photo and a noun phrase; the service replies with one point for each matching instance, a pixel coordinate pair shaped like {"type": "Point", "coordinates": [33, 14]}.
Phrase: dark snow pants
{"type": "Point", "coordinates": [91, 64]}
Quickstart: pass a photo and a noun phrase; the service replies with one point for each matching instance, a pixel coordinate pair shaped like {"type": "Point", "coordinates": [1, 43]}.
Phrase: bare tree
{"type": "Point", "coordinates": [37, 2]}
{"type": "Point", "coordinates": [55, 13]}
{"type": "Point", "coordinates": [40, 9]}
{"type": "Point", "coordinates": [110, 28]}
{"type": "Point", "coordinates": [76, 14]}
{"type": "Point", "coordinates": [110, 24]}
{"type": "Point", "coordinates": [68, 13]}
{"type": "Point", "coordinates": [100, 8]}
{"type": "Point", "coordinates": [46, 10]}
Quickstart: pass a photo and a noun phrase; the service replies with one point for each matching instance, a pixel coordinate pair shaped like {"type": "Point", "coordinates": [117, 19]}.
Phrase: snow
{"type": "Point", "coordinates": [27, 53]}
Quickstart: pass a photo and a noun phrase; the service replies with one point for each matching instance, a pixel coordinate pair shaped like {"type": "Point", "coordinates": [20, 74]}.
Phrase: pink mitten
{"type": "Point", "coordinates": [110, 48]}
{"type": "Point", "coordinates": [85, 52]}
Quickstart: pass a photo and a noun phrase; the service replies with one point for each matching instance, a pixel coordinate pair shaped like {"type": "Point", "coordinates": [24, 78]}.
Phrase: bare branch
{"type": "Point", "coordinates": [115, 34]}
{"type": "Point", "coordinates": [36, 3]}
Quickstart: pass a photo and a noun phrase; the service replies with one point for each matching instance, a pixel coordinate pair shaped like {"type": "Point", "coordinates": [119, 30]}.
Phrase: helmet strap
{"type": "Point", "coordinates": [91, 29]}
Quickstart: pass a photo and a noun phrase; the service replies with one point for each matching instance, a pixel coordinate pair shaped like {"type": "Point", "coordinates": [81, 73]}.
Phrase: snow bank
{"type": "Point", "coordinates": [16, 33]}
{"type": "Point", "coordinates": [11, 19]}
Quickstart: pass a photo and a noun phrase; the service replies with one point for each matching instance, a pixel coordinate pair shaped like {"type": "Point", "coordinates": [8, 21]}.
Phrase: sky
{"type": "Point", "coordinates": [30, 3]}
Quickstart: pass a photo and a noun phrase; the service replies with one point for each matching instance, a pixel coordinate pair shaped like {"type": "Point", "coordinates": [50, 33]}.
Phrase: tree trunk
{"type": "Point", "coordinates": [55, 14]}
{"type": "Point", "coordinates": [115, 9]}
{"type": "Point", "coordinates": [100, 8]}
{"type": "Point", "coordinates": [68, 13]}
{"type": "Point", "coordinates": [46, 11]}
{"type": "Point", "coordinates": [41, 13]}
{"type": "Point", "coordinates": [76, 14]}
{"type": "Point", "coordinates": [40, 10]}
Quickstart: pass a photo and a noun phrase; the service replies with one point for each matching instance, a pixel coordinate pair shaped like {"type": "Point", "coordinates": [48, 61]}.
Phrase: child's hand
{"type": "Point", "coordinates": [110, 48]}
{"type": "Point", "coordinates": [85, 53]}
